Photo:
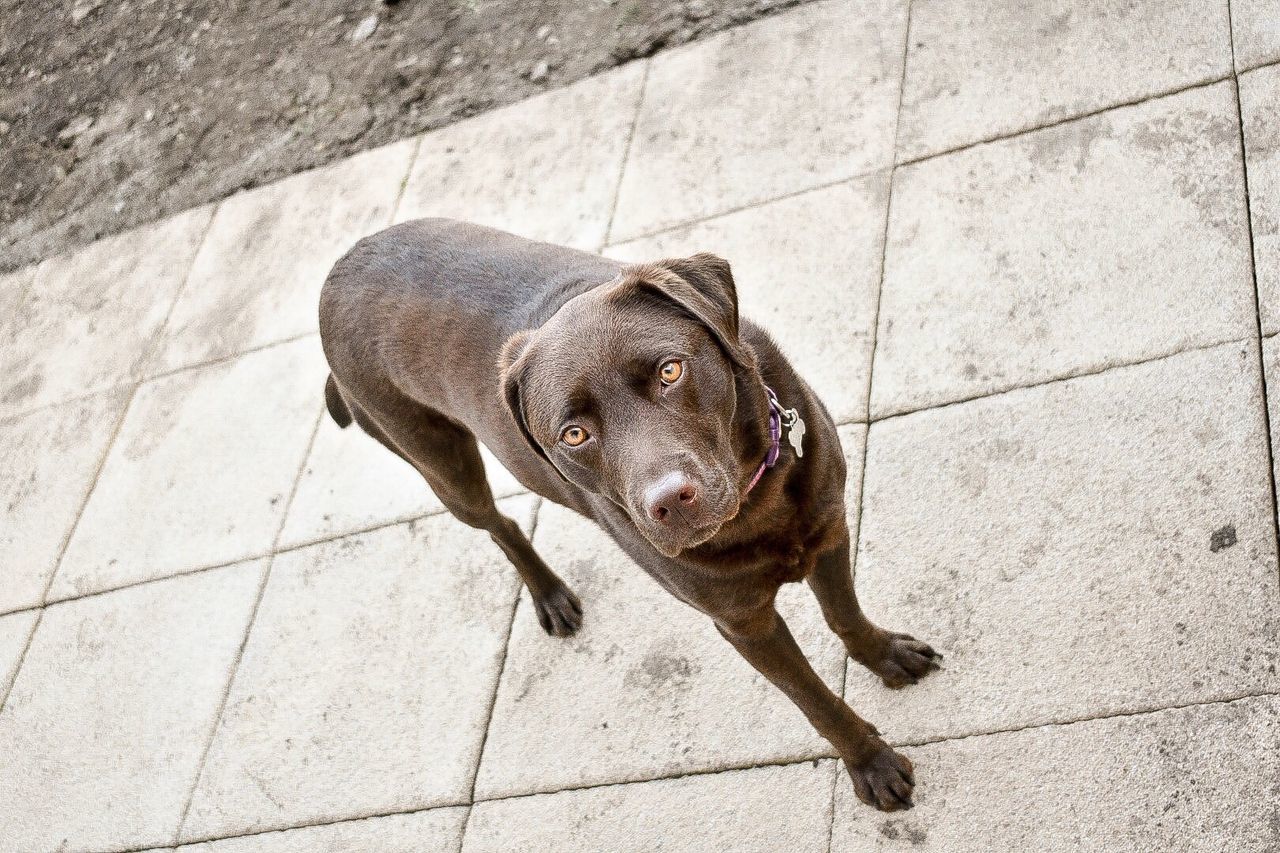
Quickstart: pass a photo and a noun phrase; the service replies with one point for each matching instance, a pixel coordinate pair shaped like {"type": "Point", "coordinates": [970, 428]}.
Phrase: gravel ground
{"type": "Point", "coordinates": [117, 113]}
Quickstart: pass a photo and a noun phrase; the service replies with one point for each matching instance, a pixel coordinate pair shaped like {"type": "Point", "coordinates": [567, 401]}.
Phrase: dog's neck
{"type": "Point", "coordinates": [775, 439]}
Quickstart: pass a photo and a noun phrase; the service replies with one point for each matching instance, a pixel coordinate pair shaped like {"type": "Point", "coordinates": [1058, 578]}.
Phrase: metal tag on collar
{"type": "Point", "coordinates": [795, 430]}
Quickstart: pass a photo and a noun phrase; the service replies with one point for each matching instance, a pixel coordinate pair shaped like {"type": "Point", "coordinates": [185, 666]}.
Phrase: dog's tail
{"type": "Point", "coordinates": [337, 406]}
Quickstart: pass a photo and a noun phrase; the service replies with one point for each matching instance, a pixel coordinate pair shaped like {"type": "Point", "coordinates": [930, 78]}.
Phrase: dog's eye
{"type": "Point", "coordinates": [573, 436]}
{"type": "Point", "coordinates": [671, 372]}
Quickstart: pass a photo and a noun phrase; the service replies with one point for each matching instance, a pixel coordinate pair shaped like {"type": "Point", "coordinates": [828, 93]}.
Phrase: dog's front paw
{"type": "Point", "coordinates": [559, 611]}
{"type": "Point", "coordinates": [884, 781]}
{"type": "Point", "coordinates": [904, 660]}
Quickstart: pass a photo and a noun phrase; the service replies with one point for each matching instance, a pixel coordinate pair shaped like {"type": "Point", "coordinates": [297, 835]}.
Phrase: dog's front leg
{"type": "Point", "coordinates": [881, 777]}
{"type": "Point", "coordinates": [899, 659]}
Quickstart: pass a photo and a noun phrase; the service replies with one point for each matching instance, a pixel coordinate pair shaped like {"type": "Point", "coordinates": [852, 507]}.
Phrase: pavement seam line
{"type": "Point", "coordinates": [66, 540]}
{"type": "Point", "coordinates": [1092, 718]}
{"type": "Point", "coordinates": [1054, 380]}
{"type": "Point", "coordinates": [161, 336]}
{"type": "Point", "coordinates": [1202, 83]}
{"type": "Point", "coordinates": [855, 539]}
{"type": "Point", "coordinates": [223, 359]}
{"type": "Point", "coordinates": [728, 211]}
{"type": "Point", "coordinates": [502, 665]}
{"type": "Point", "coordinates": [788, 762]}
{"type": "Point", "coordinates": [334, 537]}
{"type": "Point", "coordinates": [1257, 297]}
{"type": "Point", "coordinates": [626, 152]}
{"type": "Point", "coordinates": [408, 176]}
{"type": "Point", "coordinates": [248, 631]}
{"type": "Point", "coordinates": [127, 403]}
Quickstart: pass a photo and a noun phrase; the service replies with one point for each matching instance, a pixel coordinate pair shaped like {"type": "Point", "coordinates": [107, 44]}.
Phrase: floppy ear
{"type": "Point", "coordinates": [709, 275]}
{"type": "Point", "coordinates": [701, 286]}
{"type": "Point", "coordinates": [514, 363]}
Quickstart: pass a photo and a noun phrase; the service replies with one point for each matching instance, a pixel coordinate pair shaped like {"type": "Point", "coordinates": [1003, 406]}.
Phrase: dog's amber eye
{"type": "Point", "coordinates": [671, 372]}
{"type": "Point", "coordinates": [573, 436]}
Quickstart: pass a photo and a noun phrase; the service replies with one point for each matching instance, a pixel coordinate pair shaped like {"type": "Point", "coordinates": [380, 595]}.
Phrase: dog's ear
{"type": "Point", "coordinates": [702, 287]}
{"type": "Point", "coordinates": [514, 364]}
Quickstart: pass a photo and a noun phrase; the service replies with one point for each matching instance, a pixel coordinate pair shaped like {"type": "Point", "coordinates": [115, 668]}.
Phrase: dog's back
{"type": "Point", "coordinates": [436, 298]}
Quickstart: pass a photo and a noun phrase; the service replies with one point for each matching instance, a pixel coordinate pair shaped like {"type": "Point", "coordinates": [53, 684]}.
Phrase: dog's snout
{"type": "Point", "coordinates": [670, 494]}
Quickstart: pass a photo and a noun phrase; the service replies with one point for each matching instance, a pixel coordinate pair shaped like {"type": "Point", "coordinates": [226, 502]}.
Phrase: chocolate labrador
{"type": "Point", "coordinates": [636, 396]}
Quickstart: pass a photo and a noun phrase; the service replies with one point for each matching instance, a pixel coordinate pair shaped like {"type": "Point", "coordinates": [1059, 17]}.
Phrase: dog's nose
{"type": "Point", "coordinates": [672, 492]}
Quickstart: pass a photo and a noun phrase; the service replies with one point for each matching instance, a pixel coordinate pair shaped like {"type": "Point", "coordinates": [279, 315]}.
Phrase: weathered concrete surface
{"type": "Point", "coordinates": [201, 471]}
{"type": "Point", "coordinates": [1067, 250]}
{"type": "Point", "coordinates": [90, 319]}
{"type": "Point", "coordinates": [762, 810]}
{"type": "Point", "coordinates": [49, 459]}
{"type": "Point", "coordinates": [546, 168]}
{"type": "Point", "coordinates": [258, 275]}
{"type": "Point", "coordinates": [978, 69]}
{"type": "Point", "coordinates": [366, 684]}
{"type": "Point", "coordinates": [15, 630]}
{"type": "Point", "coordinates": [351, 483]}
{"type": "Point", "coordinates": [1255, 27]}
{"type": "Point", "coordinates": [1148, 782]}
{"type": "Point", "coordinates": [431, 831]}
{"type": "Point", "coordinates": [1259, 94]}
{"type": "Point", "coordinates": [769, 109]}
{"type": "Point", "coordinates": [109, 716]}
{"type": "Point", "coordinates": [1061, 547]}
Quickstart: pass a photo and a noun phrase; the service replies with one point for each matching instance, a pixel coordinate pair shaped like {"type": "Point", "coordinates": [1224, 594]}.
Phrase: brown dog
{"type": "Point", "coordinates": [635, 396]}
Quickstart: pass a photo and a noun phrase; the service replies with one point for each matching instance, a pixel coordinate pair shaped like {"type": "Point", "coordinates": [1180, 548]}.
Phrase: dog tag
{"type": "Point", "coordinates": [795, 434]}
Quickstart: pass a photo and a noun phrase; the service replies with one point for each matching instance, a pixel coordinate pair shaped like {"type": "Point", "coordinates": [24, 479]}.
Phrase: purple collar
{"type": "Point", "coordinates": [778, 418]}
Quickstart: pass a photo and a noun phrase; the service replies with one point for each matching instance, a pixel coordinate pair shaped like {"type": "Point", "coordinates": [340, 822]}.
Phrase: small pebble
{"type": "Point", "coordinates": [364, 29]}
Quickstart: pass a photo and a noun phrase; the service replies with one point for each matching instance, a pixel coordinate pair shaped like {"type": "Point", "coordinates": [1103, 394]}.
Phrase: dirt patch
{"type": "Point", "coordinates": [118, 112]}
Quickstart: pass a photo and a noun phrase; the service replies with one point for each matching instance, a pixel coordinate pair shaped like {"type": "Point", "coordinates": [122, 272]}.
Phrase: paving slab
{"type": "Point", "coordinates": [106, 722]}
{"type": "Point", "coordinates": [366, 683]}
{"type": "Point", "coordinates": [49, 459]}
{"type": "Point", "coordinates": [1271, 371]}
{"type": "Point", "coordinates": [431, 831]}
{"type": "Point", "coordinates": [1154, 781]}
{"type": "Point", "coordinates": [90, 319]}
{"type": "Point", "coordinates": [1259, 94]}
{"type": "Point", "coordinates": [352, 483]}
{"type": "Point", "coordinates": [15, 629]}
{"type": "Point", "coordinates": [13, 287]}
{"type": "Point", "coordinates": [978, 69]}
{"type": "Point", "coordinates": [647, 688]}
{"type": "Point", "coordinates": [1255, 29]}
{"type": "Point", "coordinates": [201, 471]}
{"type": "Point", "coordinates": [807, 269]}
{"type": "Point", "coordinates": [739, 810]}
{"type": "Point", "coordinates": [792, 102]}
{"type": "Point", "coordinates": [546, 168]}
{"type": "Point", "coordinates": [1093, 546]}
{"type": "Point", "coordinates": [1099, 242]}
{"type": "Point", "coordinates": [258, 276]}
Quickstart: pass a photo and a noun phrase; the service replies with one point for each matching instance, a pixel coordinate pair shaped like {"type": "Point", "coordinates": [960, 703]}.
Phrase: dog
{"type": "Point", "coordinates": [636, 396]}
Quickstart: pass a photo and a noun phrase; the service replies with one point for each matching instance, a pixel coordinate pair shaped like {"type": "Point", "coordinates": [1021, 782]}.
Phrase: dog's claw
{"type": "Point", "coordinates": [905, 661]}
{"type": "Point", "coordinates": [885, 781]}
{"type": "Point", "coordinates": [559, 612]}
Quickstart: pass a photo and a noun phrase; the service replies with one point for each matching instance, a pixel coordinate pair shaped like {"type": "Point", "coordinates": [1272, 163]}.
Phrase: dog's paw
{"type": "Point", "coordinates": [905, 660]}
{"type": "Point", "coordinates": [559, 612]}
{"type": "Point", "coordinates": [885, 781]}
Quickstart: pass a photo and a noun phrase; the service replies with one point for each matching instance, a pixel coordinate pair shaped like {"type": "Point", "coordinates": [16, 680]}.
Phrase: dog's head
{"type": "Point", "coordinates": [630, 391]}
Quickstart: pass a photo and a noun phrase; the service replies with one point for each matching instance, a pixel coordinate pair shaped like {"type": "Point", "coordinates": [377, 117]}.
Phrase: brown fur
{"type": "Point", "coordinates": [439, 333]}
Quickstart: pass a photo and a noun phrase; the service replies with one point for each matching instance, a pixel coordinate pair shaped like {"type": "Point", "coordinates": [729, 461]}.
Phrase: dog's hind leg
{"type": "Point", "coordinates": [448, 458]}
